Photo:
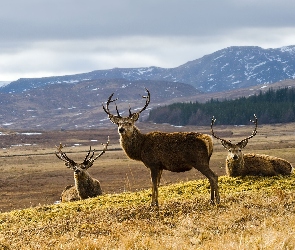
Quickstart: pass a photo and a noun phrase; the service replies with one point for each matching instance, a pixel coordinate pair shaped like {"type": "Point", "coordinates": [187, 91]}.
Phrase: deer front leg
{"type": "Point", "coordinates": [213, 180]}
{"type": "Point", "coordinates": [155, 175]}
{"type": "Point", "coordinates": [159, 176]}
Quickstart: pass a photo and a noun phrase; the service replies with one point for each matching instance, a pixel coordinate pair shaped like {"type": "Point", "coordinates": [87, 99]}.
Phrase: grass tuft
{"type": "Point", "coordinates": [255, 213]}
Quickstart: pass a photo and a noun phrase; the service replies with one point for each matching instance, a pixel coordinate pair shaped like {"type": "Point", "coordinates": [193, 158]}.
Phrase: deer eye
{"type": "Point", "coordinates": [240, 150]}
{"type": "Point", "coordinates": [229, 150]}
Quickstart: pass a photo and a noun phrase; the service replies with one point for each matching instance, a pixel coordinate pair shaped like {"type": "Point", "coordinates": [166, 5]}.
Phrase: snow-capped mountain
{"type": "Point", "coordinates": [239, 67]}
{"type": "Point", "coordinates": [226, 69]}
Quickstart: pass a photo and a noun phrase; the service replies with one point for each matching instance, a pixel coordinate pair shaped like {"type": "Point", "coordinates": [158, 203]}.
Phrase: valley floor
{"type": "Point", "coordinates": [31, 174]}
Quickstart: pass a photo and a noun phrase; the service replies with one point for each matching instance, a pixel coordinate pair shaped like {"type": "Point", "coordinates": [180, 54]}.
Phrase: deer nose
{"type": "Point", "coordinates": [235, 157]}
{"type": "Point", "coordinates": [121, 130]}
{"type": "Point", "coordinates": [77, 171]}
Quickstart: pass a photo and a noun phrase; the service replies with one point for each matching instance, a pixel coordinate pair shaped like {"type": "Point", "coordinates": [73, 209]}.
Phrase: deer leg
{"type": "Point", "coordinates": [213, 179]}
{"type": "Point", "coordinates": [155, 175]}
{"type": "Point", "coordinates": [159, 176]}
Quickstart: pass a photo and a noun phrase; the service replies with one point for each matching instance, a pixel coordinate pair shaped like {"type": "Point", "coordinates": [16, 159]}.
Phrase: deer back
{"type": "Point", "coordinates": [266, 165]}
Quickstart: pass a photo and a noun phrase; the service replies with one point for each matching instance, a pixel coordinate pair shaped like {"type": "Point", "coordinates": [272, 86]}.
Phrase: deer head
{"type": "Point", "coordinates": [125, 124]}
{"type": "Point", "coordinates": [86, 164]}
{"type": "Point", "coordinates": [234, 150]}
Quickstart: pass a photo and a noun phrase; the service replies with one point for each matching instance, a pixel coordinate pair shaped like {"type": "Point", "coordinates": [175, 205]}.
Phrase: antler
{"type": "Point", "coordinates": [242, 143]}
{"type": "Point", "coordinates": [88, 160]}
{"type": "Point", "coordinates": [106, 109]}
{"type": "Point", "coordinates": [214, 135]}
{"type": "Point", "coordinates": [148, 99]}
{"type": "Point", "coordinates": [254, 131]}
{"type": "Point", "coordinates": [62, 156]}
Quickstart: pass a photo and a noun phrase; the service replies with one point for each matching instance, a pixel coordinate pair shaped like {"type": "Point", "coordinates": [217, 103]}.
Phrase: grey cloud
{"type": "Point", "coordinates": [65, 36]}
{"type": "Point", "coordinates": [88, 19]}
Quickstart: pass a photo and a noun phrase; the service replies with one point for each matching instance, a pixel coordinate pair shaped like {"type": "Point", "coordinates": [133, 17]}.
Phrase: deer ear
{"type": "Point", "coordinates": [114, 119]}
{"type": "Point", "coordinates": [243, 143]}
{"type": "Point", "coordinates": [226, 144]}
{"type": "Point", "coordinates": [135, 117]}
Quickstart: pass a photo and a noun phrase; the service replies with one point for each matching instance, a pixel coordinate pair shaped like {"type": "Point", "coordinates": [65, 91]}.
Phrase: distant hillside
{"type": "Point", "coordinates": [71, 106]}
{"type": "Point", "coordinates": [245, 92]}
{"type": "Point", "coordinates": [78, 106]}
{"type": "Point", "coordinates": [227, 69]}
{"type": "Point", "coordinates": [272, 106]}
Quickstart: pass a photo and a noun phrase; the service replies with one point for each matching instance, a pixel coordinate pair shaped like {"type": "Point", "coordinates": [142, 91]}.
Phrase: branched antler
{"type": "Point", "coordinates": [148, 99]}
{"type": "Point", "coordinates": [106, 108]}
{"type": "Point", "coordinates": [214, 135]}
{"type": "Point", "coordinates": [212, 132]}
{"type": "Point", "coordinates": [88, 161]}
{"type": "Point", "coordinates": [254, 131]}
{"type": "Point", "coordinates": [243, 142]}
{"type": "Point", "coordinates": [62, 156]}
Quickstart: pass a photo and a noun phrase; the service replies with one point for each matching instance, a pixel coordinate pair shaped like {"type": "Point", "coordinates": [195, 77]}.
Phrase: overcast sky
{"type": "Point", "coordinates": [41, 38]}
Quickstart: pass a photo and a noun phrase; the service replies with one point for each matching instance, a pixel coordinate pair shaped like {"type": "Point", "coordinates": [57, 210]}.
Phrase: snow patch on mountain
{"type": "Point", "coordinates": [230, 68]}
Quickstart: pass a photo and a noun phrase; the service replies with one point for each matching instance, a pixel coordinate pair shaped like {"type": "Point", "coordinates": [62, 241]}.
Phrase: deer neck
{"type": "Point", "coordinates": [235, 167]}
{"type": "Point", "coordinates": [84, 184]}
{"type": "Point", "coordinates": [132, 143]}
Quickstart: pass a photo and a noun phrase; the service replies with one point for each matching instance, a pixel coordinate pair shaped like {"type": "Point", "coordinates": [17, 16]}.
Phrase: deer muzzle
{"type": "Point", "coordinates": [121, 130]}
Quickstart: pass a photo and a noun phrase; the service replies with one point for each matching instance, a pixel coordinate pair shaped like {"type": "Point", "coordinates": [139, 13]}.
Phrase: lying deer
{"type": "Point", "coordinates": [85, 186]}
{"type": "Point", "coordinates": [239, 164]}
{"type": "Point", "coordinates": [176, 152]}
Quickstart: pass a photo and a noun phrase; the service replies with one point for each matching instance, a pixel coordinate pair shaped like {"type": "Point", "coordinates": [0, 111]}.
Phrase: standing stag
{"type": "Point", "coordinates": [239, 164]}
{"type": "Point", "coordinates": [85, 186]}
{"type": "Point", "coordinates": [176, 152]}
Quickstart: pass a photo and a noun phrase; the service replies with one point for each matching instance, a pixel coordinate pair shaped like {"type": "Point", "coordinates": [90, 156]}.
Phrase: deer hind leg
{"type": "Point", "coordinates": [213, 180]}
{"type": "Point", "coordinates": [155, 176]}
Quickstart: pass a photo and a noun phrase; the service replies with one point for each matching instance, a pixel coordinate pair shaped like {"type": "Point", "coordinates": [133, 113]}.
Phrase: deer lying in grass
{"type": "Point", "coordinates": [85, 186]}
{"type": "Point", "coordinates": [239, 164]}
{"type": "Point", "coordinates": [176, 152]}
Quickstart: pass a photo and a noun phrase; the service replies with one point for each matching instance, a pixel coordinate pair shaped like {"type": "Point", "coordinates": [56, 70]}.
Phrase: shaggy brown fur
{"type": "Point", "coordinates": [70, 193]}
{"type": "Point", "coordinates": [176, 152]}
{"type": "Point", "coordinates": [257, 164]}
{"type": "Point", "coordinates": [239, 164]}
{"type": "Point", "coordinates": [85, 186]}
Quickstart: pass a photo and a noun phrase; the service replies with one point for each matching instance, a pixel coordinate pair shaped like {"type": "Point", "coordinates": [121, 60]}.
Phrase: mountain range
{"type": "Point", "coordinates": [227, 69]}
{"type": "Point", "coordinates": [74, 101]}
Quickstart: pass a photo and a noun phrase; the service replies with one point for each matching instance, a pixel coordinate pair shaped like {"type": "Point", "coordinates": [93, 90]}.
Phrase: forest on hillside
{"type": "Point", "coordinates": [273, 106]}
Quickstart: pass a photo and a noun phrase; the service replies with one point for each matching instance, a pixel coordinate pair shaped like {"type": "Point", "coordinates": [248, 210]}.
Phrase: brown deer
{"type": "Point", "coordinates": [85, 186]}
{"type": "Point", "coordinates": [239, 164]}
{"type": "Point", "coordinates": [176, 152]}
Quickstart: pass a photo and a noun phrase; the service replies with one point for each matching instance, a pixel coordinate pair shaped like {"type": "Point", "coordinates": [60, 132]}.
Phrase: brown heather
{"type": "Point", "coordinates": [255, 213]}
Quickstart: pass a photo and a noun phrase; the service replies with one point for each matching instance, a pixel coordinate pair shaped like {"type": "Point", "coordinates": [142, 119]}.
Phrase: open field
{"type": "Point", "coordinates": [31, 174]}
{"type": "Point", "coordinates": [254, 213]}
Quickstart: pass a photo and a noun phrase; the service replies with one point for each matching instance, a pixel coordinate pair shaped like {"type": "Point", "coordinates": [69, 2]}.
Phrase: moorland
{"type": "Point", "coordinates": [256, 212]}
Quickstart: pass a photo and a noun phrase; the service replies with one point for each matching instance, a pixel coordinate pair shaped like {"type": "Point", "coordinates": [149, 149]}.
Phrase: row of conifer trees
{"type": "Point", "coordinates": [273, 106]}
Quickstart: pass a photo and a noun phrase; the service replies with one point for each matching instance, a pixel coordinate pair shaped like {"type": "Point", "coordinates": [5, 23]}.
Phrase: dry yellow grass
{"type": "Point", "coordinates": [255, 213]}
